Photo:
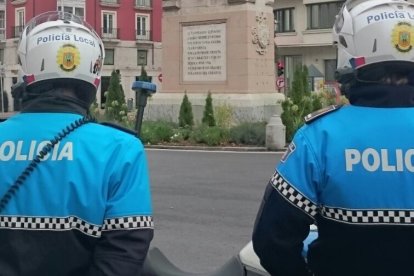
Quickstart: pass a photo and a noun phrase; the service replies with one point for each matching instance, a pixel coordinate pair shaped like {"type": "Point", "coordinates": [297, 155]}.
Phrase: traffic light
{"type": "Point", "coordinates": [280, 68]}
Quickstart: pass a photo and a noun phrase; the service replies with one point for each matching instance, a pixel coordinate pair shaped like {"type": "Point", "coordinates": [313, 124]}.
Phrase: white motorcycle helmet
{"type": "Point", "coordinates": [58, 48]}
{"type": "Point", "coordinates": [374, 38]}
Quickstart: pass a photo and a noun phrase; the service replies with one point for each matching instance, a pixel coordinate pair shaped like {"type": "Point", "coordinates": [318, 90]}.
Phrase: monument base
{"type": "Point", "coordinates": [257, 107]}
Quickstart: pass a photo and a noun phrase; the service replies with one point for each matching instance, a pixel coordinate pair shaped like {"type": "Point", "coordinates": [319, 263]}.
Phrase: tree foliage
{"type": "Point", "coordinates": [115, 106]}
{"type": "Point", "coordinates": [208, 114]}
{"type": "Point", "coordinates": [299, 103]}
{"type": "Point", "coordinates": [300, 84]}
{"type": "Point", "coordinates": [144, 75]}
{"type": "Point", "coordinates": [186, 118]}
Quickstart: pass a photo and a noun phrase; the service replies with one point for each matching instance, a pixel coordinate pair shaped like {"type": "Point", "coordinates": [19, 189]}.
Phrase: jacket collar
{"type": "Point", "coordinates": [382, 96]}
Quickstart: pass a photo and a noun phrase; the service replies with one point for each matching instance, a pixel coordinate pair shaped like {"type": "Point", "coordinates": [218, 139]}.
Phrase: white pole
{"type": "Point", "coordinates": [2, 93]}
{"type": "Point", "coordinates": [1, 86]}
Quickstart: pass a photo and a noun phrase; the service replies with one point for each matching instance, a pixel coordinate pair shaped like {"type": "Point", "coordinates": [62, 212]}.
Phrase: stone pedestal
{"type": "Point", "coordinates": [244, 107]}
{"type": "Point", "coordinates": [275, 134]}
{"type": "Point", "coordinates": [220, 46]}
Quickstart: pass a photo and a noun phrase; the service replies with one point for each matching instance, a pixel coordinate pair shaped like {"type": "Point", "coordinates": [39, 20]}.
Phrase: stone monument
{"type": "Point", "coordinates": [225, 47]}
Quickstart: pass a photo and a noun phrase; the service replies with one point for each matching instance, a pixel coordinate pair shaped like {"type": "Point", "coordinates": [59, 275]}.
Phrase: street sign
{"type": "Point", "coordinates": [160, 77]}
{"type": "Point", "coordinates": [280, 82]}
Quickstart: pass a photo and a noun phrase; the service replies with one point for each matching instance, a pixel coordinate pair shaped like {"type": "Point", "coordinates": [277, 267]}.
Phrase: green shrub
{"type": "Point", "coordinates": [155, 132]}
{"type": "Point", "coordinates": [186, 118]}
{"type": "Point", "coordinates": [329, 97]}
{"type": "Point", "coordinates": [94, 110]}
{"type": "Point", "coordinates": [115, 106]}
{"type": "Point", "coordinates": [158, 132]}
{"type": "Point", "coordinates": [300, 84]}
{"type": "Point", "coordinates": [291, 118]}
{"type": "Point", "coordinates": [208, 114]}
{"type": "Point", "coordinates": [212, 136]}
{"type": "Point", "coordinates": [129, 123]}
{"type": "Point", "coordinates": [224, 115]}
{"type": "Point", "coordinates": [249, 134]}
{"type": "Point", "coordinates": [299, 103]}
{"type": "Point", "coordinates": [293, 114]}
{"type": "Point", "coordinates": [180, 135]}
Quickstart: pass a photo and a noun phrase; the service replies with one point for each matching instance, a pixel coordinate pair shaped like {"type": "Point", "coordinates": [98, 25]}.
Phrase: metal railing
{"type": "Point", "coordinates": [116, 2]}
{"type": "Point", "coordinates": [142, 34]}
{"type": "Point", "coordinates": [110, 33]}
{"type": "Point", "coordinates": [143, 3]}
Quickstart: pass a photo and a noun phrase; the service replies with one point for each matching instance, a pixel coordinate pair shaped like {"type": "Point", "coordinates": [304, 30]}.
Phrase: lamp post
{"type": "Point", "coordinates": [143, 90]}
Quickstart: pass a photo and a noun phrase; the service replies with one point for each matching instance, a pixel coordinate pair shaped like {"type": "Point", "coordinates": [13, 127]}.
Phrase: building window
{"type": "Point", "coordinates": [284, 20]}
{"type": "Point", "coordinates": [109, 56]}
{"type": "Point", "coordinates": [79, 11]}
{"type": "Point", "coordinates": [142, 27]}
{"type": "Point", "coordinates": [142, 57]}
{"type": "Point", "coordinates": [109, 25]}
{"type": "Point", "coordinates": [143, 3]}
{"type": "Point", "coordinates": [19, 22]}
{"type": "Point", "coordinates": [322, 15]}
{"type": "Point", "coordinates": [2, 25]}
{"type": "Point", "coordinates": [330, 68]}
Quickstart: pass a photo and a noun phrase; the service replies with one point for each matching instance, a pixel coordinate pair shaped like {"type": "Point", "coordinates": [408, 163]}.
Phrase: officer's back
{"type": "Point", "coordinates": [350, 168]}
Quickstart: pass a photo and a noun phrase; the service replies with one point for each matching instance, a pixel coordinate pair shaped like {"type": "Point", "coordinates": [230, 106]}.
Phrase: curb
{"type": "Point", "coordinates": [212, 148]}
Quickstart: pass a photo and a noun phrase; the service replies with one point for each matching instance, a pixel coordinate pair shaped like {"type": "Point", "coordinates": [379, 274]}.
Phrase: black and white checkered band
{"type": "Point", "coordinates": [74, 223]}
{"type": "Point", "coordinates": [401, 217]}
{"type": "Point", "coordinates": [404, 217]}
{"type": "Point", "coordinates": [47, 223]}
{"type": "Point", "coordinates": [128, 223]}
{"type": "Point", "coordinates": [293, 195]}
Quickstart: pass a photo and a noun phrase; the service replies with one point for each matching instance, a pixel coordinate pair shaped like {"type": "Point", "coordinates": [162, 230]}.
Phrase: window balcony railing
{"type": "Point", "coordinates": [111, 3]}
{"type": "Point", "coordinates": [142, 34]}
{"type": "Point", "coordinates": [18, 2]}
{"type": "Point", "coordinates": [143, 3]}
{"type": "Point", "coordinates": [17, 31]}
{"type": "Point", "coordinates": [107, 33]}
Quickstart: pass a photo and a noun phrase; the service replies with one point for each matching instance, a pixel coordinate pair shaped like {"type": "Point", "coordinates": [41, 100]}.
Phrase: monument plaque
{"type": "Point", "coordinates": [220, 46]}
{"type": "Point", "coordinates": [204, 53]}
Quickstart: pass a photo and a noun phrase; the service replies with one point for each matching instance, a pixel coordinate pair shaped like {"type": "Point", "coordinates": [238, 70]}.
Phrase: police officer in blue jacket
{"type": "Point", "coordinates": [350, 169]}
{"type": "Point", "coordinates": [75, 195]}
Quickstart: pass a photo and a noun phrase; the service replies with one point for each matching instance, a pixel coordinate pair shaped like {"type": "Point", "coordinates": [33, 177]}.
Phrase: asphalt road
{"type": "Point", "coordinates": [205, 203]}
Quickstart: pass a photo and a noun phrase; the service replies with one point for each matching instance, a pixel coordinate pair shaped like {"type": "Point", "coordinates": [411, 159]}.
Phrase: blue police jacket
{"type": "Point", "coordinates": [350, 170]}
{"type": "Point", "coordinates": [85, 209]}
